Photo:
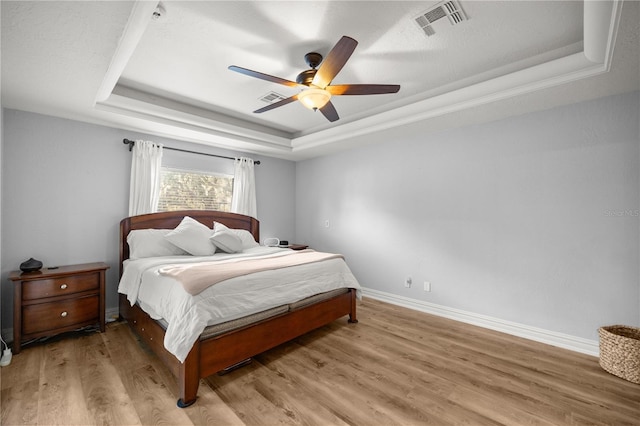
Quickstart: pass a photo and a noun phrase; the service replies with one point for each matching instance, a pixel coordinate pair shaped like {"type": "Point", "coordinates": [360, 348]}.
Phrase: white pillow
{"type": "Point", "coordinates": [247, 238]}
{"type": "Point", "coordinates": [225, 239]}
{"type": "Point", "coordinates": [151, 243]}
{"type": "Point", "coordinates": [192, 237]}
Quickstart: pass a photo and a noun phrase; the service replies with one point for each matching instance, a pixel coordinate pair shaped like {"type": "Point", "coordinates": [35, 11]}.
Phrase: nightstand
{"type": "Point", "coordinates": [56, 300]}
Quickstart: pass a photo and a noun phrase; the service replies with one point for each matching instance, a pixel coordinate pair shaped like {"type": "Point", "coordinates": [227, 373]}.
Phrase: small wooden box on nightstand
{"type": "Point", "coordinates": [55, 300]}
{"type": "Point", "coordinates": [296, 246]}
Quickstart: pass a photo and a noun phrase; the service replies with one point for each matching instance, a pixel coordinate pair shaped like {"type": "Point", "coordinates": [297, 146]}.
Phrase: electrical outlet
{"type": "Point", "coordinates": [427, 286]}
{"type": "Point", "coordinates": [407, 282]}
{"type": "Point", "coordinates": [326, 223]}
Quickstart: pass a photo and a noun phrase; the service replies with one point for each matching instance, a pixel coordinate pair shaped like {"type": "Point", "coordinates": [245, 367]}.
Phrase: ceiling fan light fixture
{"type": "Point", "coordinates": [316, 83]}
{"type": "Point", "coordinates": [314, 98]}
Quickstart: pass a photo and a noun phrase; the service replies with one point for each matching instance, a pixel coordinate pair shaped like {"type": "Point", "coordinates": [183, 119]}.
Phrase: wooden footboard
{"type": "Point", "coordinates": [214, 354]}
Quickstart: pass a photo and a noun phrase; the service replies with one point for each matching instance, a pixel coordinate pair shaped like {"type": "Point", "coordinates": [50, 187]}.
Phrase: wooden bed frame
{"type": "Point", "coordinates": [211, 355]}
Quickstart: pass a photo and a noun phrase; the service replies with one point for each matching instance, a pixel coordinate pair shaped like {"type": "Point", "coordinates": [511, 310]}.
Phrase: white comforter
{"type": "Point", "coordinates": [187, 315]}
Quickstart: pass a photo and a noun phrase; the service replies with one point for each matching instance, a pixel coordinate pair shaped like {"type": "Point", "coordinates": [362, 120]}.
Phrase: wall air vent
{"type": "Point", "coordinates": [272, 97]}
{"type": "Point", "coordinates": [432, 19]}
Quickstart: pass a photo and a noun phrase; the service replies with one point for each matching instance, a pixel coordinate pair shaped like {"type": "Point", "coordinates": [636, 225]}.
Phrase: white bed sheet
{"type": "Point", "coordinates": [187, 316]}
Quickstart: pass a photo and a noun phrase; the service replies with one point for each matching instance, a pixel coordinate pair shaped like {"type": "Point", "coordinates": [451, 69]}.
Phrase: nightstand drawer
{"type": "Point", "coordinates": [49, 316]}
{"type": "Point", "coordinates": [38, 289]}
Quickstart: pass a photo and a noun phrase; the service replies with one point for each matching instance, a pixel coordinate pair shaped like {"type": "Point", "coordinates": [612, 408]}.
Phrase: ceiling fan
{"type": "Point", "coordinates": [316, 82]}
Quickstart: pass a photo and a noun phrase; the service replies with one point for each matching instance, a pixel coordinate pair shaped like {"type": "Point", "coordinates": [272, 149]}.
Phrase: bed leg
{"type": "Point", "coordinates": [189, 379]}
{"type": "Point", "coordinates": [182, 404]}
{"type": "Point", "coordinates": [352, 314]}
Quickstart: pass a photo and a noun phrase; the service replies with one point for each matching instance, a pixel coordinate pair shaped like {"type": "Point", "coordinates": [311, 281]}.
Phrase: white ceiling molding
{"type": "Point", "coordinates": [141, 15]}
{"type": "Point", "coordinates": [192, 122]}
{"type": "Point", "coordinates": [155, 105]}
{"type": "Point", "coordinates": [600, 28]}
{"type": "Point", "coordinates": [601, 20]}
{"type": "Point", "coordinates": [201, 134]}
{"type": "Point", "coordinates": [539, 77]}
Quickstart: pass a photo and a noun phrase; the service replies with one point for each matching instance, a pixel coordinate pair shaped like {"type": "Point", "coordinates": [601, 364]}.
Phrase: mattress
{"type": "Point", "coordinates": [187, 316]}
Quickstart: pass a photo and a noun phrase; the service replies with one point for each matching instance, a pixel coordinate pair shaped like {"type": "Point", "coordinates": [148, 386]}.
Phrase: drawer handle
{"type": "Point", "coordinates": [64, 314]}
{"type": "Point", "coordinates": [63, 286]}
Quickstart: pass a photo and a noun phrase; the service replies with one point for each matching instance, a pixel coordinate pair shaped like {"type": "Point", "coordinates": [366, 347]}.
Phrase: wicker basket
{"type": "Point", "coordinates": [620, 351]}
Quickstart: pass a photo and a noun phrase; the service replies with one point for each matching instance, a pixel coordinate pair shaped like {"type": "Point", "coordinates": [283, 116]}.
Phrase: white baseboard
{"type": "Point", "coordinates": [577, 344]}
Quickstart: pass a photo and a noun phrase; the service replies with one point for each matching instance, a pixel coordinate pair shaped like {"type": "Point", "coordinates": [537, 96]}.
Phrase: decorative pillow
{"type": "Point", "coordinates": [192, 237]}
{"type": "Point", "coordinates": [151, 243]}
{"type": "Point", "coordinates": [246, 237]}
{"type": "Point", "coordinates": [225, 239]}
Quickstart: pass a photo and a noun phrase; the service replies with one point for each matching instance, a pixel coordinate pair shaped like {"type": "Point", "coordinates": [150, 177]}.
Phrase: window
{"type": "Point", "coordinates": [193, 190]}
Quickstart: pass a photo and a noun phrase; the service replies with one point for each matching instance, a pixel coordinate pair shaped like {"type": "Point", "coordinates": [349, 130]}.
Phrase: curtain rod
{"type": "Point", "coordinates": [131, 143]}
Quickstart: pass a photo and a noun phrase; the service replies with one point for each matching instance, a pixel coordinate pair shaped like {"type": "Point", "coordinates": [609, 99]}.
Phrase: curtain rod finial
{"type": "Point", "coordinates": [129, 142]}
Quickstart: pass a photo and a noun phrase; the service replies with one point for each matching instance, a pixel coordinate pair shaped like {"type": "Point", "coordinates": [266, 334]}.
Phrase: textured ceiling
{"type": "Point", "coordinates": [273, 38]}
{"type": "Point", "coordinates": [111, 63]}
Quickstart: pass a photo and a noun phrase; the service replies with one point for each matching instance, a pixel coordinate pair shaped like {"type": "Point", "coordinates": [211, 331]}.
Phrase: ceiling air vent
{"type": "Point", "coordinates": [272, 97]}
{"type": "Point", "coordinates": [431, 19]}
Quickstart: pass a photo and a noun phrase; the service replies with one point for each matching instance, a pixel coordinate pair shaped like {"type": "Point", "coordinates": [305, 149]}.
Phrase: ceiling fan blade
{"type": "Point", "coordinates": [362, 89]}
{"type": "Point", "coordinates": [277, 104]}
{"type": "Point", "coordinates": [263, 76]}
{"type": "Point", "coordinates": [329, 111]}
{"type": "Point", "coordinates": [334, 62]}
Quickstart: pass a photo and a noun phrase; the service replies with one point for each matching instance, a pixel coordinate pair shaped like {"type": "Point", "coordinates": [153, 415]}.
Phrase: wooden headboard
{"type": "Point", "coordinates": [169, 220]}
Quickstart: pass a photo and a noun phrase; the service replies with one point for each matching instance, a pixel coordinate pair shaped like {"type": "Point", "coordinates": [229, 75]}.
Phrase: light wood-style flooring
{"type": "Point", "coordinates": [395, 367]}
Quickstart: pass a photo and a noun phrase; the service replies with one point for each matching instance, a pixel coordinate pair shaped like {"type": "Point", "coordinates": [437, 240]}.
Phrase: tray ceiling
{"type": "Point", "coordinates": [112, 63]}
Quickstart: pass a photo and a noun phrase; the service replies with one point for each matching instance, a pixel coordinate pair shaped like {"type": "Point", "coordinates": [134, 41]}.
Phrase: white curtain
{"type": "Point", "coordinates": [144, 190]}
{"type": "Point", "coordinates": [244, 188]}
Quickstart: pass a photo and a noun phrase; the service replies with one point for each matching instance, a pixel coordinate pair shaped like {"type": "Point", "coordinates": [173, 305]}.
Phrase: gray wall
{"type": "Point", "coordinates": [65, 188]}
{"type": "Point", "coordinates": [532, 219]}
